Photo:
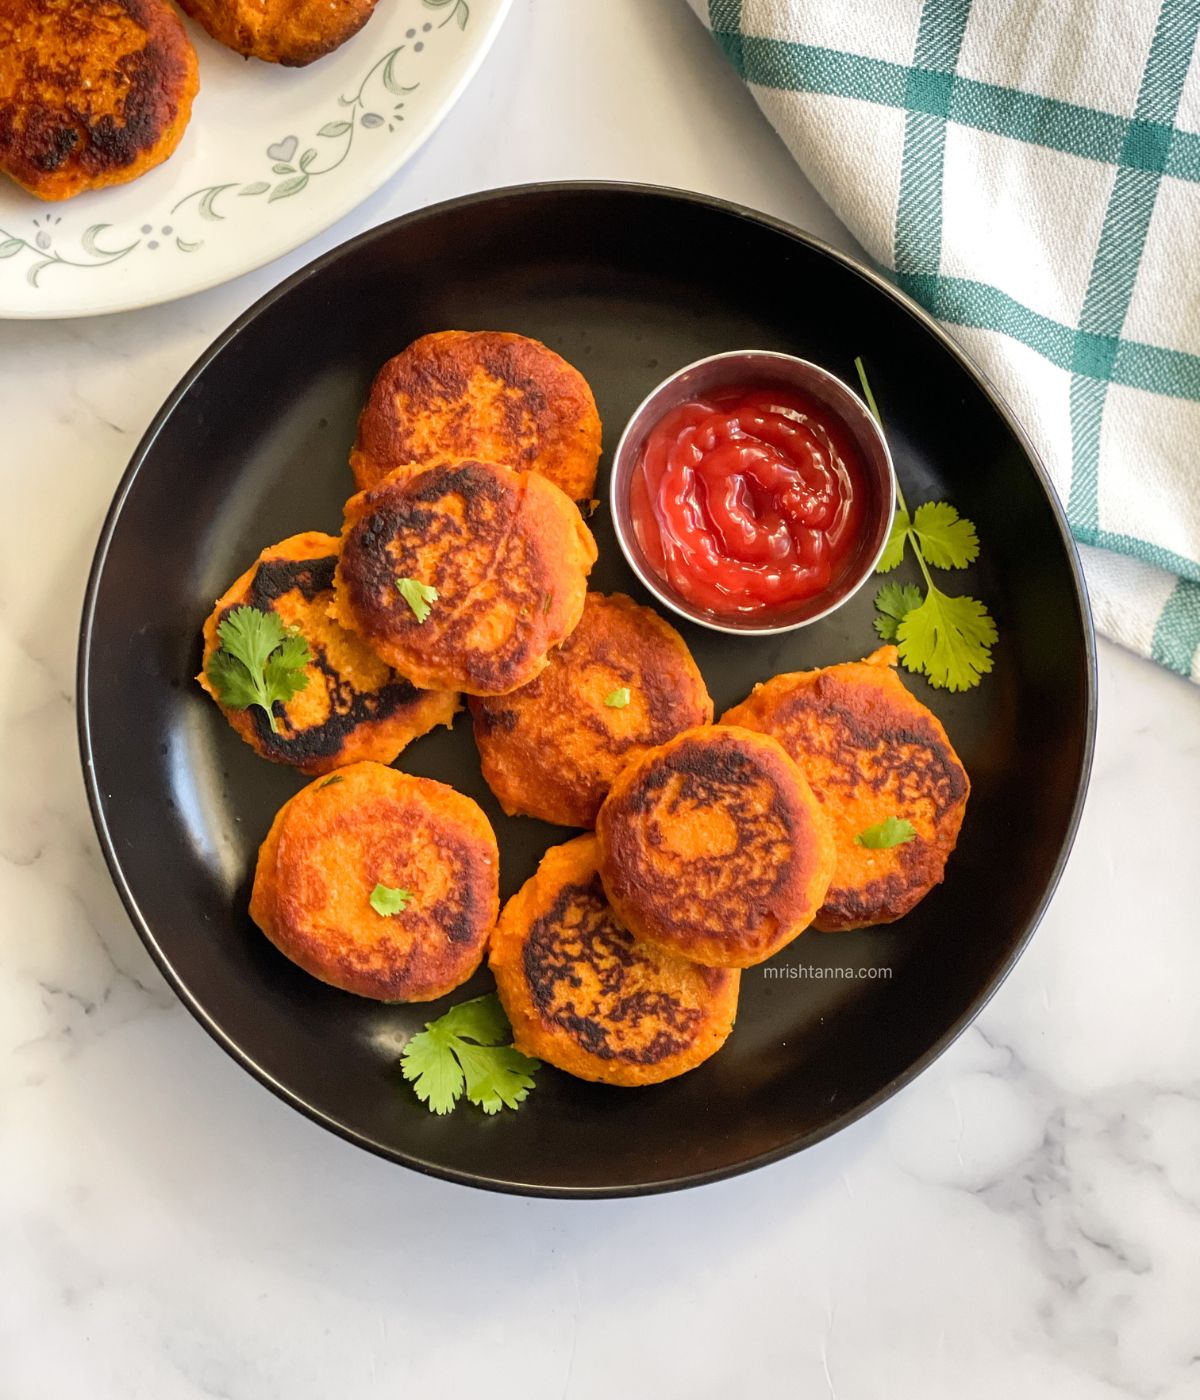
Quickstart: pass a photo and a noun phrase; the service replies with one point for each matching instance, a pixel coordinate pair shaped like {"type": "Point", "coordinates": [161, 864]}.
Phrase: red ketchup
{"type": "Point", "coordinates": [748, 499]}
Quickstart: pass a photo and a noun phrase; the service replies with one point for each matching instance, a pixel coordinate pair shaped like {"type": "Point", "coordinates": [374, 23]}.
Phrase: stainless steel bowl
{"type": "Point", "coordinates": [768, 368]}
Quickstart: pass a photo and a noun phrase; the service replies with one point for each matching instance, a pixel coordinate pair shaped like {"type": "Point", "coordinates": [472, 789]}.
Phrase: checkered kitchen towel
{"type": "Point", "coordinates": [1030, 172]}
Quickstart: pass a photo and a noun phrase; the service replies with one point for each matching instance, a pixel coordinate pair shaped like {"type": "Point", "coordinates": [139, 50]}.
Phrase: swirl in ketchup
{"type": "Point", "coordinates": [748, 499]}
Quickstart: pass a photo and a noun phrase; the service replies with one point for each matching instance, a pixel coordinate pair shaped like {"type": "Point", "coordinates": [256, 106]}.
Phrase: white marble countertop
{"type": "Point", "coordinates": [1023, 1220]}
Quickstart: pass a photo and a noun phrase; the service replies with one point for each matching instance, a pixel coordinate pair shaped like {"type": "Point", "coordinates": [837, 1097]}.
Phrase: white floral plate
{"type": "Point", "coordinates": [272, 156]}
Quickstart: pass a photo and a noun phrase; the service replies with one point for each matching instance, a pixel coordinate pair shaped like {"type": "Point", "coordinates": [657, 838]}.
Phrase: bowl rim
{"type": "Point", "coordinates": [96, 801]}
{"type": "Point", "coordinates": [619, 508]}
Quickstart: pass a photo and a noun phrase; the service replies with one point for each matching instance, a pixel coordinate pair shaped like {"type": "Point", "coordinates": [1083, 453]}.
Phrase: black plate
{"type": "Point", "coordinates": [628, 283]}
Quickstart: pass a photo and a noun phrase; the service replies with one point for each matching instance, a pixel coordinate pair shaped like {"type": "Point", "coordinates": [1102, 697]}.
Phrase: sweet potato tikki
{"type": "Point", "coordinates": [587, 996]}
{"type": "Point", "coordinates": [295, 685]}
{"type": "Point", "coordinates": [488, 394]}
{"type": "Point", "coordinates": [290, 32]}
{"type": "Point", "coordinates": [92, 92]}
{"type": "Point", "coordinates": [885, 773]}
{"type": "Point", "coordinates": [621, 683]}
{"type": "Point", "coordinates": [463, 575]}
{"type": "Point", "coordinates": [379, 883]}
{"type": "Point", "coordinates": [714, 847]}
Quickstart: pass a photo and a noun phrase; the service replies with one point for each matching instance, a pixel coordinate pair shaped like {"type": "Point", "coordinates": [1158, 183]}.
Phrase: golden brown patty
{"type": "Point", "coordinates": [488, 394]}
{"type": "Point", "coordinates": [871, 751]}
{"type": "Point", "coordinates": [354, 706]}
{"type": "Point", "coordinates": [92, 92]}
{"type": "Point", "coordinates": [553, 748]}
{"type": "Point", "coordinates": [714, 847]}
{"type": "Point", "coordinates": [291, 32]}
{"type": "Point", "coordinates": [508, 555]}
{"type": "Point", "coordinates": [585, 995]}
{"type": "Point", "coordinates": [340, 837]}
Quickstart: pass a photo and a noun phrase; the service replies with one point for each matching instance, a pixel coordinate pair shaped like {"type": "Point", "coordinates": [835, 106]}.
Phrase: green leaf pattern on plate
{"type": "Point", "coordinates": [374, 107]}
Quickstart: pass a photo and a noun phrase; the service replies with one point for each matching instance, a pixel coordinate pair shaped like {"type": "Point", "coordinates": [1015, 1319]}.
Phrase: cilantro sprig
{"type": "Point", "coordinates": [895, 601]}
{"type": "Point", "coordinates": [258, 663]}
{"type": "Point", "coordinates": [418, 596]}
{"type": "Point", "coordinates": [892, 831]}
{"type": "Point", "coordinates": [617, 699]}
{"type": "Point", "coordinates": [946, 637]}
{"type": "Point", "coordinates": [386, 901]}
{"type": "Point", "coordinates": [468, 1051]}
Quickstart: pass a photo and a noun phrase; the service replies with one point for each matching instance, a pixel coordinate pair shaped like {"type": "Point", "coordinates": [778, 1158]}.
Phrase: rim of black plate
{"type": "Point", "coordinates": [84, 718]}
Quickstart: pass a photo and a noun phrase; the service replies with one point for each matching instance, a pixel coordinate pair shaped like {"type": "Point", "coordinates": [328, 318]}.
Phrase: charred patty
{"type": "Point", "coordinates": [92, 92]}
{"type": "Point", "coordinates": [585, 995]}
{"type": "Point", "coordinates": [621, 683]}
{"type": "Point", "coordinates": [290, 32]}
{"type": "Point", "coordinates": [871, 751]}
{"type": "Point", "coordinates": [463, 575]}
{"type": "Point", "coordinates": [354, 705]}
{"type": "Point", "coordinates": [340, 838]}
{"type": "Point", "coordinates": [714, 847]}
{"type": "Point", "coordinates": [487, 394]}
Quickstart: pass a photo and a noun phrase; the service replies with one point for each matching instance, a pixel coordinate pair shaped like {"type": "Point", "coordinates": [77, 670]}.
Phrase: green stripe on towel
{"type": "Point", "coordinates": [1119, 251]}
{"type": "Point", "coordinates": [1177, 635]}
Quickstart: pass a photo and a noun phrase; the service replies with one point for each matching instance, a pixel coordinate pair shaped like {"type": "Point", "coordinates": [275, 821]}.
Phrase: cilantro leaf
{"type": "Point", "coordinates": [251, 635]}
{"type": "Point", "coordinates": [259, 662]}
{"type": "Point", "coordinates": [893, 551]}
{"type": "Point", "coordinates": [895, 601]}
{"type": "Point", "coordinates": [284, 673]}
{"type": "Point", "coordinates": [387, 901]}
{"type": "Point", "coordinates": [497, 1076]}
{"type": "Point", "coordinates": [892, 831]}
{"type": "Point", "coordinates": [233, 683]}
{"type": "Point", "coordinates": [948, 639]}
{"type": "Point", "coordinates": [481, 1019]}
{"type": "Point", "coordinates": [617, 699]}
{"type": "Point", "coordinates": [417, 595]}
{"type": "Point", "coordinates": [947, 539]}
{"type": "Point", "coordinates": [430, 1067]}
{"type": "Point", "coordinates": [462, 1051]}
